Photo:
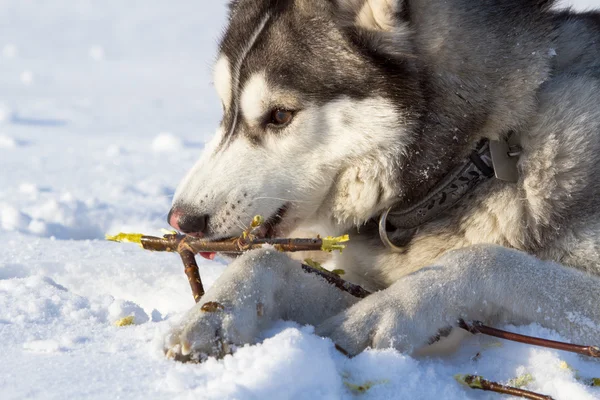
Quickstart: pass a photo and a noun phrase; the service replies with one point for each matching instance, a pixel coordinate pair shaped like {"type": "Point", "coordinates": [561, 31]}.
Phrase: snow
{"type": "Point", "coordinates": [96, 53]}
{"type": "Point", "coordinates": [120, 309]}
{"type": "Point", "coordinates": [9, 51]}
{"type": "Point", "coordinates": [103, 108]}
{"type": "Point", "coordinates": [166, 142]}
{"type": "Point", "coordinates": [6, 142]}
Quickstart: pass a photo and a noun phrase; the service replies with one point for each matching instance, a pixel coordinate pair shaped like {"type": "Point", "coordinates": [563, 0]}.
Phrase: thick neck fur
{"type": "Point", "coordinates": [466, 93]}
{"type": "Point", "coordinates": [469, 94]}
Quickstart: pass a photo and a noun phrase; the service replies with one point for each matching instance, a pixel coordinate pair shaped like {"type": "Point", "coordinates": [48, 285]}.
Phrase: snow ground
{"type": "Point", "coordinates": [103, 107]}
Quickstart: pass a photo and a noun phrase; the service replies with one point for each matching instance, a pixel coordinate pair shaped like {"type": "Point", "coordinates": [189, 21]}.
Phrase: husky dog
{"type": "Point", "coordinates": [386, 119]}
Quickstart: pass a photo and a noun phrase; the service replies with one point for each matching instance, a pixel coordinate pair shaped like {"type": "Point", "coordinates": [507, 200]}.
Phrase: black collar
{"type": "Point", "coordinates": [490, 159]}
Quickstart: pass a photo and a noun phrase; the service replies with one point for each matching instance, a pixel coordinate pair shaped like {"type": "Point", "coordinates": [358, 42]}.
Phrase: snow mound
{"type": "Point", "coordinates": [66, 218]}
{"type": "Point", "coordinates": [27, 77]}
{"type": "Point", "coordinates": [120, 309]}
{"type": "Point", "coordinates": [62, 218]}
{"type": "Point", "coordinates": [167, 142]}
{"type": "Point", "coordinates": [96, 53]}
{"type": "Point", "coordinates": [30, 189]}
{"type": "Point", "coordinates": [291, 365]}
{"type": "Point", "coordinates": [114, 151]}
{"type": "Point", "coordinates": [9, 51]}
{"type": "Point", "coordinates": [12, 219]}
{"type": "Point", "coordinates": [6, 142]}
{"type": "Point", "coordinates": [39, 300]}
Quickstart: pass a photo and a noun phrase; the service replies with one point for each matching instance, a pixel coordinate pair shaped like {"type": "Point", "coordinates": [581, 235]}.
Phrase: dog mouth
{"type": "Point", "coordinates": [271, 227]}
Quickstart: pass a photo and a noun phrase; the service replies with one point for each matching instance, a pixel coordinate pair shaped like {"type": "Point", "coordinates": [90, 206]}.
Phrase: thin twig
{"type": "Point", "coordinates": [342, 350]}
{"type": "Point", "coordinates": [176, 242]}
{"type": "Point", "coordinates": [188, 246]}
{"type": "Point", "coordinates": [337, 281]}
{"type": "Point", "coordinates": [193, 274]}
{"type": "Point", "coordinates": [479, 383]}
{"type": "Point", "coordinates": [479, 327]}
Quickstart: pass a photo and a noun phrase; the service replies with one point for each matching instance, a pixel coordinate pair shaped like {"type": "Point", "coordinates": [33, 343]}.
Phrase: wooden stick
{"type": "Point", "coordinates": [478, 327]}
{"type": "Point", "coordinates": [479, 383]}
{"type": "Point", "coordinates": [193, 274]}
{"type": "Point", "coordinates": [176, 242]}
{"type": "Point", "coordinates": [337, 281]}
{"type": "Point", "coordinates": [188, 246]}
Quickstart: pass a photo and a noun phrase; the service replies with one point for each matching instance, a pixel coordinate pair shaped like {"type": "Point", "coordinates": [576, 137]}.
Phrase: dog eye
{"type": "Point", "coordinates": [281, 117]}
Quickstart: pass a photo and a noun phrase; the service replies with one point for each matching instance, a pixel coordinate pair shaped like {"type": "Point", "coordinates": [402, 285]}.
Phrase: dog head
{"type": "Point", "coordinates": [336, 109]}
{"type": "Point", "coordinates": [312, 121]}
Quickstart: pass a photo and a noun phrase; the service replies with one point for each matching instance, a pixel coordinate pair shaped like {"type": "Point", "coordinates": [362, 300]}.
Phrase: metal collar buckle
{"type": "Point", "coordinates": [383, 233]}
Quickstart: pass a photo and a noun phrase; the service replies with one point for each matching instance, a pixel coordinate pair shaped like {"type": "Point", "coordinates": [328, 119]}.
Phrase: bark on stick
{"type": "Point", "coordinates": [479, 327]}
{"type": "Point", "coordinates": [175, 243]}
{"type": "Point", "coordinates": [478, 382]}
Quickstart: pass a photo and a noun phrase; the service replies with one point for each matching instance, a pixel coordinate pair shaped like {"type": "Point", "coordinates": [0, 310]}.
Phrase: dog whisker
{"type": "Point", "coordinates": [282, 199]}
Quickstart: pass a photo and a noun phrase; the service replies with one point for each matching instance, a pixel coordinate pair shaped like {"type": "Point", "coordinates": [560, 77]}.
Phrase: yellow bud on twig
{"type": "Point", "coordinates": [126, 238]}
{"type": "Point", "coordinates": [257, 221]}
{"type": "Point", "coordinates": [125, 321]}
{"type": "Point", "coordinates": [333, 243]}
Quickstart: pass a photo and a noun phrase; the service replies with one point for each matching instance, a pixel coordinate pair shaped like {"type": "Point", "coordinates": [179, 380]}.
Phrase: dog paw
{"type": "Point", "coordinates": [213, 329]}
{"type": "Point", "coordinates": [241, 304]}
{"type": "Point", "coordinates": [199, 335]}
{"type": "Point", "coordinates": [377, 323]}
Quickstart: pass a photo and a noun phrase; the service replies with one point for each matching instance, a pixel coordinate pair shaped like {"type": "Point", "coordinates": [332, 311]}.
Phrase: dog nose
{"type": "Point", "coordinates": [192, 224]}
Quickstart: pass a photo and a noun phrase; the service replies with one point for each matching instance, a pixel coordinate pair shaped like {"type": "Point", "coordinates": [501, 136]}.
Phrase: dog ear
{"type": "Point", "coordinates": [372, 15]}
{"type": "Point", "coordinates": [380, 26]}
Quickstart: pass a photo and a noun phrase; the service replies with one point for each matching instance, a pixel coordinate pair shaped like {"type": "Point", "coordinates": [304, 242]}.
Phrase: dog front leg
{"type": "Point", "coordinates": [256, 289]}
{"type": "Point", "coordinates": [487, 283]}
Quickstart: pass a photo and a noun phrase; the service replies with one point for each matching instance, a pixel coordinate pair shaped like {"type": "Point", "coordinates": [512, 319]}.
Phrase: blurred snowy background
{"type": "Point", "coordinates": [103, 107]}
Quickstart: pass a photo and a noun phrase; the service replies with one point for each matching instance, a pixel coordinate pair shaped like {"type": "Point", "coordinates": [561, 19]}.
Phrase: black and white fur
{"type": "Point", "coordinates": [387, 97]}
